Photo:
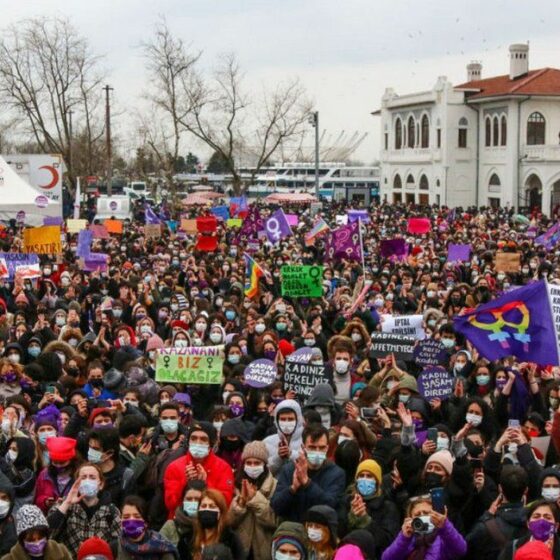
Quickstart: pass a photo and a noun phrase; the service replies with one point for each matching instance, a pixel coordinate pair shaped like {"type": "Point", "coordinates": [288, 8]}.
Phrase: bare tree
{"type": "Point", "coordinates": [49, 76]}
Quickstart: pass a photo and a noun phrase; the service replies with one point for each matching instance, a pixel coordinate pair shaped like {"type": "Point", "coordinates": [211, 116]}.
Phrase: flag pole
{"type": "Point", "coordinates": [362, 248]}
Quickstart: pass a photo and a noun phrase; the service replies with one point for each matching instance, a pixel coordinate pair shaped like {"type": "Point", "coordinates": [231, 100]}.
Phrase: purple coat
{"type": "Point", "coordinates": [448, 544]}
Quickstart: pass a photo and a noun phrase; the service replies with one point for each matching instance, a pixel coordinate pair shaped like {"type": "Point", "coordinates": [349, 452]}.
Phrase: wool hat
{"type": "Point", "coordinates": [113, 378]}
{"type": "Point", "coordinates": [95, 546]}
{"type": "Point", "coordinates": [292, 533]}
{"type": "Point", "coordinates": [30, 517]}
{"type": "Point", "coordinates": [61, 448]}
{"type": "Point", "coordinates": [286, 348]}
{"type": "Point", "coordinates": [255, 450]}
{"type": "Point", "coordinates": [97, 411]}
{"type": "Point", "coordinates": [349, 552]}
{"type": "Point", "coordinates": [371, 467]}
{"type": "Point", "coordinates": [207, 428]}
{"type": "Point", "coordinates": [154, 343]}
{"type": "Point", "coordinates": [443, 458]}
{"type": "Point", "coordinates": [533, 550]}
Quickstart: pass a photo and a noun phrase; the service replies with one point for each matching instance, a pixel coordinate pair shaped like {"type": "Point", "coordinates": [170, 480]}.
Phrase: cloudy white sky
{"type": "Point", "coordinates": [345, 51]}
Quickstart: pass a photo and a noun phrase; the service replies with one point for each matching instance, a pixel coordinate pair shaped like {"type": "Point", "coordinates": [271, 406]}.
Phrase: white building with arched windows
{"type": "Point", "coordinates": [492, 141]}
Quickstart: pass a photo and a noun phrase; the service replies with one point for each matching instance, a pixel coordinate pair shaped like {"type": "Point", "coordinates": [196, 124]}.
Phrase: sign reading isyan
{"type": "Point", "coordinates": [193, 365]}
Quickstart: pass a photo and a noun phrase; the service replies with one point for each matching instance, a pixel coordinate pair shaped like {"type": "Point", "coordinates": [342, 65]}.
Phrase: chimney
{"type": "Point", "coordinates": [474, 71]}
{"type": "Point", "coordinates": [518, 60]}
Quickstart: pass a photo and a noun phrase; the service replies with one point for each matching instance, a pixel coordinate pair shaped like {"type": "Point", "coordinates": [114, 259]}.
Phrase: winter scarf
{"type": "Point", "coordinates": [151, 547]}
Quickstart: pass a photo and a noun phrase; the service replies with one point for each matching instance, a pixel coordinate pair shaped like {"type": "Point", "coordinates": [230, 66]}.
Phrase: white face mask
{"type": "Point", "coordinates": [13, 358]}
{"type": "Point", "coordinates": [442, 443]}
{"type": "Point", "coordinates": [356, 337]}
{"type": "Point", "coordinates": [253, 472]}
{"type": "Point", "coordinates": [551, 494]}
{"type": "Point", "coordinates": [215, 337]}
{"type": "Point", "coordinates": [4, 508]}
{"type": "Point", "coordinates": [341, 366]}
{"type": "Point", "coordinates": [474, 419]}
{"type": "Point", "coordinates": [315, 535]}
{"type": "Point", "coordinates": [260, 328]}
{"type": "Point", "coordinates": [287, 427]}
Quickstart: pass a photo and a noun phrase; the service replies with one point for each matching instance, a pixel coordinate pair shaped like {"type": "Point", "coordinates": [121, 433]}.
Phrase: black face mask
{"type": "Point", "coordinates": [97, 383]}
{"type": "Point", "coordinates": [433, 480]}
{"type": "Point", "coordinates": [229, 445]}
{"type": "Point", "coordinates": [208, 518]}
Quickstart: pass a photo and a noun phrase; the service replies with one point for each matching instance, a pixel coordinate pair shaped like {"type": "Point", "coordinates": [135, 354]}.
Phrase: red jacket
{"type": "Point", "coordinates": [219, 477]}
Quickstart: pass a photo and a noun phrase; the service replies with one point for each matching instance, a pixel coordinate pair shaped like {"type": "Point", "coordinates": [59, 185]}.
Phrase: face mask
{"type": "Point", "coordinates": [404, 398]}
{"type": "Point", "coordinates": [551, 494]}
{"type": "Point", "coordinates": [4, 508]}
{"type": "Point", "coordinates": [180, 343]}
{"type": "Point", "coordinates": [208, 518]}
{"type": "Point", "coordinates": [35, 548]}
{"type": "Point", "coordinates": [215, 337]}
{"type": "Point", "coordinates": [260, 328]}
{"type": "Point", "coordinates": [287, 427]}
{"type": "Point", "coordinates": [230, 315]}
{"type": "Point", "coordinates": [131, 403]}
{"type": "Point", "coordinates": [190, 507]}
{"type": "Point", "coordinates": [61, 357]}
{"type": "Point", "coordinates": [44, 436]}
{"type": "Point", "coordinates": [133, 528]}
{"type": "Point", "coordinates": [418, 424]}
{"type": "Point", "coordinates": [117, 313]}
{"type": "Point", "coordinates": [218, 426]}
{"type": "Point", "coordinates": [448, 343]}
{"type": "Point", "coordinates": [442, 443]}
{"type": "Point", "coordinates": [254, 472]}
{"type": "Point", "coordinates": [378, 303]}
{"type": "Point", "coordinates": [341, 366]}
{"type": "Point", "coordinates": [6, 425]}
{"type": "Point", "coordinates": [541, 529]}
{"type": "Point", "coordinates": [270, 354]}
{"type": "Point", "coordinates": [200, 327]}
{"type": "Point", "coordinates": [458, 368]}
{"type": "Point", "coordinates": [89, 488]}
{"type": "Point", "coordinates": [236, 410]}
{"type": "Point", "coordinates": [60, 321]}
{"type": "Point", "coordinates": [366, 486]}
{"type": "Point", "coordinates": [482, 379]}
{"type": "Point", "coordinates": [433, 480]}
{"type": "Point", "coordinates": [169, 426]}
{"type": "Point", "coordinates": [281, 556]}
{"type": "Point", "coordinates": [9, 377]}
{"type": "Point", "coordinates": [315, 535]}
{"type": "Point", "coordinates": [34, 351]}
{"type": "Point", "coordinates": [512, 448]}
{"type": "Point", "coordinates": [11, 455]}
{"type": "Point", "coordinates": [199, 450]}
{"type": "Point", "coordinates": [281, 308]}
{"type": "Point", "coordinates": [341, 439]}
{"type": "Point", "coordinates": [94, 456]}
{"type": "Point", "coordinates": [427, 521]}
{"type": "Point", "coordinates": [316, 458]}
{"type": "Point", "coordinates": [474, 419]}
{"type": "Point", "coordinates": [309, 342]}
{"type": "Point", "coordinates": [174, 307]}
{"type": "Point", "coordinates": [431, 294]}
{"type": "Point", "coordinates": [14, 358]}
{"type": "Point", "coordinates": [501, 383]}
{"type": "Point", "coordinates": [281, 327]}
{"type": "Point", "coordinates": [234, 359]}
{"type": "Point", "coordinates": [356, 337]}
{"type": "Point", "coordinates": [431, 323]}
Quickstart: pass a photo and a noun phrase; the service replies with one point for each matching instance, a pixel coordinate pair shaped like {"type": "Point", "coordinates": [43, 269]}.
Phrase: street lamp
{"type": "Point", "coordinates": [314, 122]}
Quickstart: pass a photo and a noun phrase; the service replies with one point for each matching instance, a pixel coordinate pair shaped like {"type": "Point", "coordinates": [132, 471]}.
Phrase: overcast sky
{"type": "Point", "coordinates": [345, 51]}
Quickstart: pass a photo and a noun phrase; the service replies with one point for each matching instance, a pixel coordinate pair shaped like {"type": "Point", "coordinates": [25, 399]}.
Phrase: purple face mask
{"type": "Point", "coordinates": [9, 376]}
{"type": "Point", "coordinates": [133, 528]}
{"type": "Point", "coordinates": [541, 529]}
{"type": "Point", "coordinates": [418, 424]}
{"type": "Point", "coordinates": [270, 354]}
{"type": "Point", "coordinates": [237, 410]}
{"type": "Point", "coordinates": [501, 383]}
{"type": "Point", "coordinates": [35, 548]}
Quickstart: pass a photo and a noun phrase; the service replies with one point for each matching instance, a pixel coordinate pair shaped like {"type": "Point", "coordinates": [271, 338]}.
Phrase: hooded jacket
{"type": "Point", "coordinates": [275, 462]}
{"type": "Point", "coordinates": [8, 536]}
{"type": "Point", "coordinates": [323, 395]}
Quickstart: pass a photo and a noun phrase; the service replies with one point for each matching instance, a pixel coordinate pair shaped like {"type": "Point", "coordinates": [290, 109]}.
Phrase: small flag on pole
{"type": "Point", "coordinates": [253, 272]}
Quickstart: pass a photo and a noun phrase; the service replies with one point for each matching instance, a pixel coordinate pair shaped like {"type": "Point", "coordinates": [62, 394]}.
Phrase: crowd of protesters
{"type": "Point", "coordinates": [100, 461]}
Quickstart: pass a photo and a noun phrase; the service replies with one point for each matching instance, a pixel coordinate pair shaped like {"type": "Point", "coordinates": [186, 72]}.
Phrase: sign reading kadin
{"type": "Point", "coordinates": [302, 281]}
{"type": "Point", "coordinates": [435, 383]}
{"type": "Point", "coordinates": [194, 365]}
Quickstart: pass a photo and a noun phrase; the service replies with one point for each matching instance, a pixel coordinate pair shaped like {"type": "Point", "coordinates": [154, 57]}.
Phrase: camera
{"type": "Point", "coordinates": [420, 527]}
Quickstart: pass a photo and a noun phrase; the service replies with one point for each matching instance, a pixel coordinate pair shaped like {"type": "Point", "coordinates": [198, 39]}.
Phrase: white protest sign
{"type": "Point", "coordinates": [408, 325]}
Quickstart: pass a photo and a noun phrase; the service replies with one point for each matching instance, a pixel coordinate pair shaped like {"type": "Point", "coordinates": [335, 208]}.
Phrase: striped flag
{"type": "Point", "coordinates": [253, 272]}
{"type": "Point", "coordinates": [318, 228]}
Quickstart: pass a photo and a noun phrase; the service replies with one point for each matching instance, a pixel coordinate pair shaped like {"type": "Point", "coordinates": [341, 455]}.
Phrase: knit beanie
{"type": "Point", "coordinates": [443, 458]}
{"type": "Point", "coordinates": [154, 343]}
{"type": "Point", "coordinates": [286, 348]}
{"type": "Point", "coordinates": [349, 552]}
{"type": "Point", "coordinates": [30, 517]}
{"type": "Point", "coordinates": [292, 533]}
{"type": "Point", "coordinates": [533, 550]}
{"type": "Point", "coordinates": [255, 450]}
{"type": "Point", "coordinates": [372, 467]}
{"type": "Point", "coordinates": [95, 546]}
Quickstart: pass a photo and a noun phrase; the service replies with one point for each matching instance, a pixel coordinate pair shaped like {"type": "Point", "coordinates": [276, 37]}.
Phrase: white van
{"type": "Point", "coordinates": [139, 188]}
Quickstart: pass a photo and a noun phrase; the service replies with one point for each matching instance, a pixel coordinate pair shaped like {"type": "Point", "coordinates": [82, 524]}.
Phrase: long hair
{"type": "Point", "coordinates": [218, 498]}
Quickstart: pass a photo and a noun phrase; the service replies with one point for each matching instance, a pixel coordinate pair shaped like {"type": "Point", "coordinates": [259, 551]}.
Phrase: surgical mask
{"type": "Point", "coordinates": [391, 384]}
{"type": "Point", "coordinates": [89, 488]}
{"type": "Point", "coordinates": [357, 337]}
{"type": "Point", "coordinates": [342, 439]}
{"type": "Point", "coordinates": [145, 329]}
{"type": "Point", "coordinates": [281, 556]}
{"type": "Point", "coordinates": [14, 358]}
{"type": "Point", "coordinates": [431, 294]}
{"type": "Point", "coordinates": [169, 426]}
{"type": "Point", "coordinates": [190, 507]}
{"type": "Point", "coordinates": [94, 456]}
{"type": "Point", "coordinates": [458, 367]}
{"type": "Point", "coordinates": [378, 303]}
{"type": "Point", "coordinates": [550, 494]}
{"type": "Point", "coordinates": [34, 351]}
{"type": "Point", "coordinates": [366, 486]}
{"type": "Point", "coordinates": [482, 379]}
{"type": "Point", "coordinates": [287, 427]}
{"type": "Point", "coordinates": [315, 535]}
{"type": "Point", "coordinates": [341, 366]}
{"type": "Point", "coordinates": [11, 455]}
{"type": "Point", "coordinates": [61, 357]}
{"type": "Point", "coordinates": [44, 436]}
{"type": "Point", "coordinates": [6, 425]}
{"type": "Point", "coordinates": [217, 426]}
{"type": "Point", "coordinates": [512, 448]}
{"type": "Point", "coordinates": [174, 307]}
{"type": "Point", "coordinates": [253, 472]}
{"type": "Point", "coordinates": [200, 327]}
{"type": "Point", "coordinates": [442, 443]}
{"type": "Point", "coordinates": [448, 343]}
{"type": "Point", "coordinates": [4, 508]}
{"type": "Point", "coordinates": [281, 308]}
{"type": "Point", "coordinates": [35, 548]}
{"type": "Point", "coordinates": [117, 313]}
{"type": "Point", "coordinates": [230, 315]}
{"type": "Point", "coordinates": [60, 321]}
{"type": "Point", "coordinates": [404, 398]}
{"type": "Point", "coordinates": [474, 419]}
{"type": "Point", "coordinates": [131, 402]}
{"type": "Point", "coordinates": [234, 359]}
{"type": "Point", "coordinates": [281, 327]}
{"type": "Point", "coordinates": [199, 450]}
{"type": "Point", "coordinates": [152, 355]}
{"type": "Point", "coordinates": [216, 337]}
{"type": "Point", "coordinates": [260, 328]}
{"type": "Point", "coordinates": [309, 342]}
{"type": "Point", "coordinates": [316, 458]}
{"type": "Point", "coordinates": [225, 395]}
{"type": "Point", "coordinates": [180, 343]}
{"type": "Point", "coordinates": [133, 528]}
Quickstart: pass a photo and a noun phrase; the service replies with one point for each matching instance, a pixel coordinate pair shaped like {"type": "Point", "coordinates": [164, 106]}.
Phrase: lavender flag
{"type": "Point", "coordinates": [277, 226]}
{"type": "Point", "coordinates": [549, 238]}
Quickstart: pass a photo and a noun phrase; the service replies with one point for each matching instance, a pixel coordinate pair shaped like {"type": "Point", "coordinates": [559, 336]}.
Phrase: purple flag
{"type": "Point", "coordinates": [344, 243]}
{"type": "Point", "coordinates": [252, 224]}
{"type": "Point", "coordinates": [277, 226]}
{"type": "Point", "coordinates": [518, 323]}
{"type": "Point", "coordinates": [358, 215]}
{"type": "Point", "coordinates": [53, 221]}
{"type": "Point", "coordinates": [393, 248]}
{"type": "Point", "coordinates": [458, 253]}
{"type": "Point", "coordinates": [150, 216]}
{"type": "Point", "coordinates": [549, 238]}
{"type": "Point", "coordinates": [85, 238]}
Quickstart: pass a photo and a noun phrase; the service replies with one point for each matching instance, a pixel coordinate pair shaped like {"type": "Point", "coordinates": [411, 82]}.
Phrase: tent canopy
{"type": "Point", "coordinates": [292, 198]}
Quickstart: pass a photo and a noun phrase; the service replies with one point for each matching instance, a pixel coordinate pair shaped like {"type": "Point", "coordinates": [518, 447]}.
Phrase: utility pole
{"type": "Point", "coordinates": [109, 172]}
{"type": "Point", "coordinates": [314, 121]}
{"type": "Point", "coordinates": [70, 144]}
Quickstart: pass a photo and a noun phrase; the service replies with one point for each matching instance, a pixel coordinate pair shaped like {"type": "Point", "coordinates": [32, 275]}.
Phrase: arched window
{"type": "Point", "coordinates": [495, 131]}
{"type": "Point", "coordinates": [410, 182]}
{"type": "Point", "coordinates": [503, 131]}
{"type": "Point", "coordinates": [488, 132]}
{"type": "Point", "coordinates": [536, 126]}
{"type": "Point", "coordinates": [411, 130]}
{"type": "Point", "coordinates": [494, 184]}
{"type": "Point", "coordinates": [398, 134]}
{"type": "Point", "coordinates": [425, 143]}
{"type": "Point", "coordinates": [397, 182]}
{"type": "Point", "coordinates": [463, 129]}
{"type": "Point", "coordinates": [424, 185]}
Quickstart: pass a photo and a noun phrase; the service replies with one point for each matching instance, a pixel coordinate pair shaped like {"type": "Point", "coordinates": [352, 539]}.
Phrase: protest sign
{"type": "Point", "coordinates": [53, 221]}
{"type": "Point", "coordinates": [277, 226]}
{"type": "Point", "coordinates": [430, 352]}
{"type": "Point", "coordinates": [14, 260]}
{"type": "Point", "coordinates": [435, 383]}
{"type": "Point", "coordinates": [113, 226]}
{"type": "Point", "coordinates": [409, 325]}
{"type": "Point", "coordinates": [74, 226]}
{"type": "Point", "coordinates": [341, 219]}
{"type": "Point", "coordinates": [541, 444]}
{"type": "Point", "coordinates": [358, 215]}
{"type": "Point", "coordinates": [189, 226]}
{"type": "Point", "coordinates": [458, 252]}
{"type": "Point", "coordinates": [302, 281]}
{"type": "Point", "coordinates": [85, 237]}
{"type": "Point", "coordinates": [234, 222]}
{"type": "Point", "coordinates": [508, 262]}
{"type": "Point", "coordinates": [152, 231]}
{"type": "Point", "coordinates": [96, 262]}
{"type": "Point", "coordinates": [292, 219]}
{"type": "Point", "coordinates": [301, 355]}
{"type": "Point", "coordinates": [43, 240]}
{"type": "Point", "coordinates": [418, 225]}
{"type": "Point", "coordinates": [302, 378]}
{"type": "Point", "coordinates": [260, 373]}
{"type": "Point", "coordinates": [393, 247]}
{"type": "Point", "coordinates": [4, 272]}
{"type": "Point", "coordinates": [193, 365]}
{"type": "Point", "coordinates": [29, 271]}
{"type": "Point", "coordinates": [99, 232]}
{"type": "Point", "coordinates": [383, 344]}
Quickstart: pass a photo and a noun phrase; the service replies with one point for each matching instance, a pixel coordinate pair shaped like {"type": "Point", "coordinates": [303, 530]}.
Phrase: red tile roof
{"type": "Point", "coordinates": [545, 81]}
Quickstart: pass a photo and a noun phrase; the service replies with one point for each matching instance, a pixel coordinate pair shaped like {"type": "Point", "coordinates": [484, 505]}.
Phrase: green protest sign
{"type": "Point", "coordinates": [302, 281]}
{"type": "Point", "coordinates": [193, 365]}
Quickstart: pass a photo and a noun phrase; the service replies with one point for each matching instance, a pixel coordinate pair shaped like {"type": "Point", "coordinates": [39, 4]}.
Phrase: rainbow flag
{"type": "Point", "coordinates": [253, 272]}
{"type": "Point", "coordinates": [318, 228]}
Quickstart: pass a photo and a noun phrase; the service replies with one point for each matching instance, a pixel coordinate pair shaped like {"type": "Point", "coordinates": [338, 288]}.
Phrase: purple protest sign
{"type": "Point", "coordinates": [53, 221]}
{"type": "Point", "coordinates": [96, 262]}
{"type": "Point", "coordinates": [458, 253]}
{"type": "Point", "coordinates": [302, 355]}
{"type": "Point", "coordinates": [99, 231]}
{"type": "Point", "coordinates": [260, 373]}
{"type": "Point", "coordinates": [435, 383]}
{"type": "Point", "coordinates": [358, 215]}
{"type": "Point", "coordinates": [344, 243]}
{"type": "Point", "coordinates": [85, 237]}
{"type": "Point", "coordinates": [430, 352]}
{"type": "Point", "coordinates": [15, 260]}
{"type": "Point", "coordinates": [393, 247]}
{"type": "Point", "coordinates": [292, 219]}
{"type": "Point", "coordinates": [277, 226]}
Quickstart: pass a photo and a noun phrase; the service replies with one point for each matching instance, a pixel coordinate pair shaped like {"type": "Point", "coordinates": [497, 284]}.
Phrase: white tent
{"type": "Point", "coordinates": [19, 200]}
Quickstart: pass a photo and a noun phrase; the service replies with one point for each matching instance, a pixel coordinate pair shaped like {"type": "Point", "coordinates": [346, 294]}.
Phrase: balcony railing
{"type": "Point", "coordinates": [544, 152]}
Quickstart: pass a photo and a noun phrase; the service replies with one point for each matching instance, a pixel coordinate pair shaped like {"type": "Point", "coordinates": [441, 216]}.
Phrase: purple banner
{"type": "Point", "coordinates": [435, 383]}
{"type": "Point", "coordinates": [393, 247]}
{"type": "Point", "coordinates": [96, 262]}
{"type": "Point", "coordinates": [358, 215]}
{"type": "Point", "coordinates": [85, 237]}
{"type": "Point", "coordinates": [277, 226]}
{"type": "Point", "coordinates": [344, 243]}
{"type": "Point", "coordinates": [52, 221]}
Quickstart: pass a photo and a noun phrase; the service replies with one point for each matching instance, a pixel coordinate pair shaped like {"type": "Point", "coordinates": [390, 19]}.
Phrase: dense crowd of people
{"type": "Point", "coordinates": [100, 461]}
